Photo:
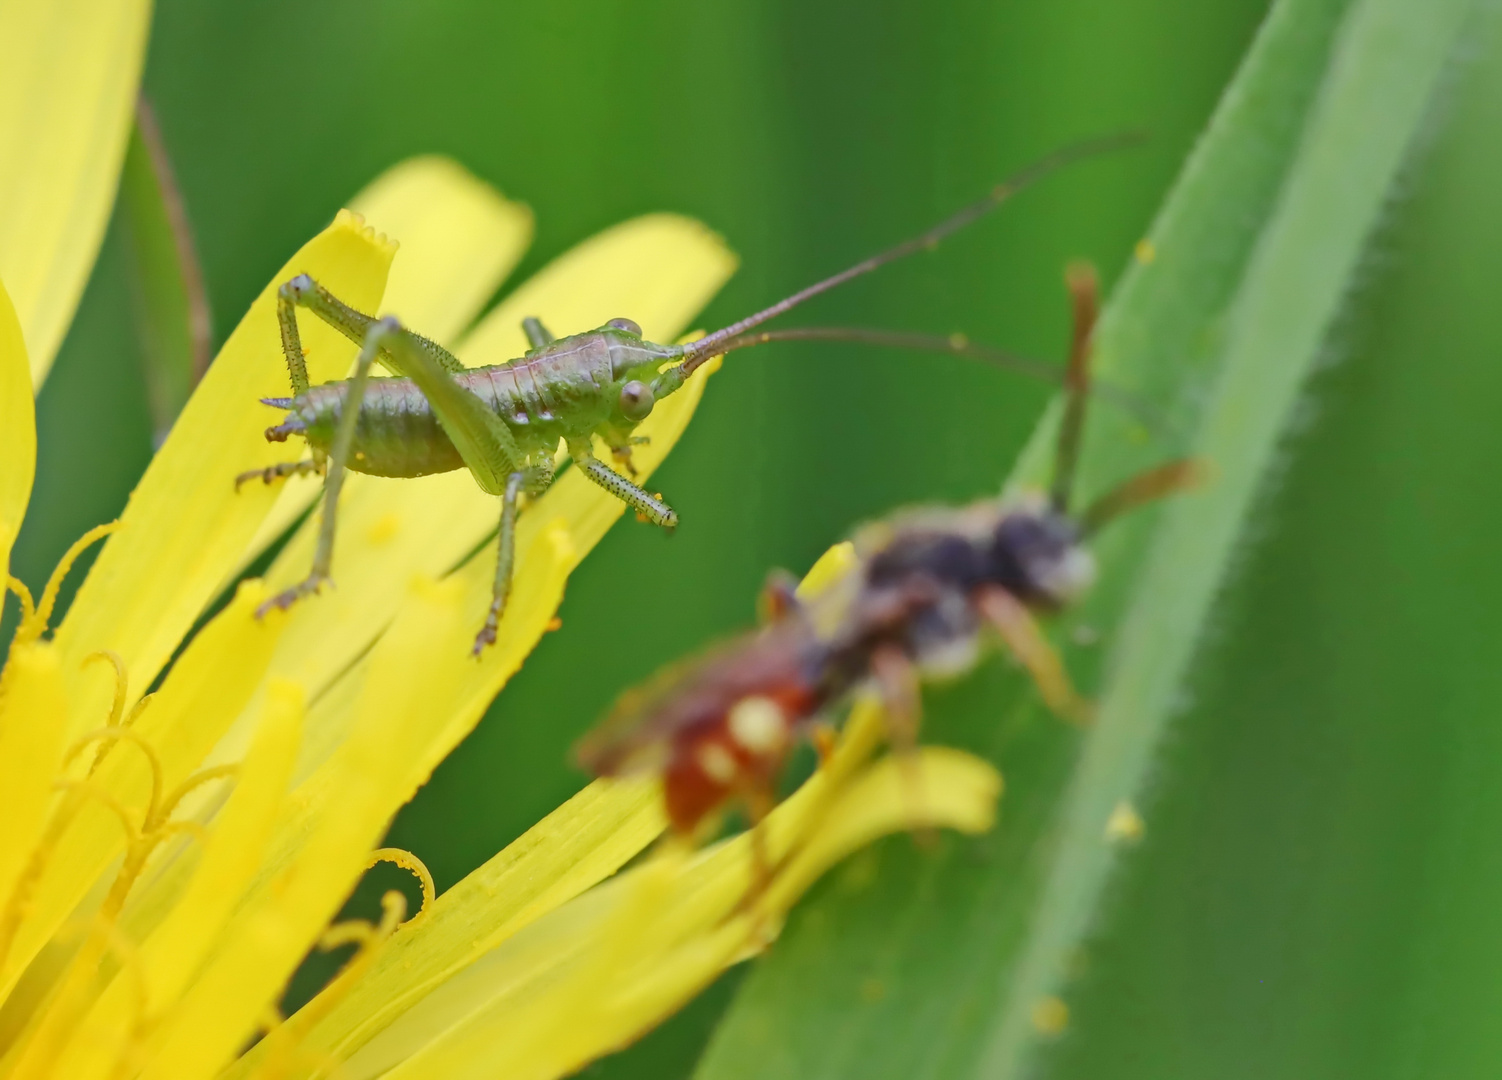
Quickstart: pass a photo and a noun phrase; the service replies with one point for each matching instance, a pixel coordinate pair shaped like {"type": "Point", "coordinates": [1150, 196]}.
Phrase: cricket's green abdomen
{"type": "Point", "coordinates": [397, 433]}
{"type": "Point", "coordinates": [556, 393]}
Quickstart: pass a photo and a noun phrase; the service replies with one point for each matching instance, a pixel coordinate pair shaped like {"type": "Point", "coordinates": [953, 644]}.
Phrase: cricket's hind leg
{"type": "Point", "coordinates": [344, 437]}
{"type": "Point", "coordinates": [648, 507]}
{"type": "Point", "coordinates": [532, 480]}
{"type": "Point", "coordinates": [303, 292]}
{"type": "Point", "coordinates": [280, 471]}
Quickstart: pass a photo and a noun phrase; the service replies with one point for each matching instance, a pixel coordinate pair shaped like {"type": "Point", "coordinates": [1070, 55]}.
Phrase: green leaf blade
{"type": "Point", "coordinates": [1388, 63]}
{"type": "Point", "coordinates": [931, 964]}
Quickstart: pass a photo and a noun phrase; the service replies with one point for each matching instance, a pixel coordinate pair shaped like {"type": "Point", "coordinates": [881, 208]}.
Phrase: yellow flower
{"type": "Point", "coordinates": [68, 76]}
{"type": "Point", "coordinates": [169, 858]}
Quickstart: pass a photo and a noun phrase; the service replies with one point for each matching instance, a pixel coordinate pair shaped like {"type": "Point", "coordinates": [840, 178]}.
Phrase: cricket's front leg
{"type": "Point", "coordinates": [648, 507]}
{"type": "Point", "coordinates": [344, 437]}
{"type": "Point", "coordinates": [534, 480]}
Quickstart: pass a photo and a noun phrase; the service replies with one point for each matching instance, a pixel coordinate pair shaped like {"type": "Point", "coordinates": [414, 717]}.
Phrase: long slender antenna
{"type": "Point", "coordinates": [954, 345]}
{"type": "Point", "coordinates": [700, 351]}
{"type": "Point", "coordinates": [1084, 297]}
{"type": "Point", "coordinates": [1147, 486]}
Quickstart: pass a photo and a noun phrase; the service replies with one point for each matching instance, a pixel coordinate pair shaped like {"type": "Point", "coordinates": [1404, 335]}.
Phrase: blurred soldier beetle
{"type": "Point", "coordinates": [504, 422]}
{"type": "Point", "coordinates": [925, 584]}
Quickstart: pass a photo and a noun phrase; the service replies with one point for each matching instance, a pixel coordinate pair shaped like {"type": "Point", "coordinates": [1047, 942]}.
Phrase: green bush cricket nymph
{"type": "Point", "coordinates": [504, 422]}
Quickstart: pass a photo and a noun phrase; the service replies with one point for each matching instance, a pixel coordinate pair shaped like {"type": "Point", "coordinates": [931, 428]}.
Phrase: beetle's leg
{"type": "Point", "coordinates": [648, 507]}
{"type": "Point", "coordinates": [272, 473]}
{"type": "Point", "coordinates": [1023, 636]}
{"type": "Point", "coordinates": [778, 597]}
{"type": "Point", "coordinates": [538, 335]}
{"type": "Point", "coordinates": [759, 800]}
{"type": "Point", "coordinates": [302, 291]}
{"type": "Point", "coordinates": [344, 438]}
{"type": "Point", "coordinates": [902, 706]}
{"type": "Point", "coordinates": [824, 738]}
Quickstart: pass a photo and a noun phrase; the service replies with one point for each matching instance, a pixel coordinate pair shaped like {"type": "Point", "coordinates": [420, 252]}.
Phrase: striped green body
{"type": "Point", "coordinates": [569, 389]}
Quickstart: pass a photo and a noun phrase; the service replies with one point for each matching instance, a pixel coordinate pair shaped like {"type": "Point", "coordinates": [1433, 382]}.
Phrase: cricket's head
{"type": "Point", "coordinates": [634, 364]}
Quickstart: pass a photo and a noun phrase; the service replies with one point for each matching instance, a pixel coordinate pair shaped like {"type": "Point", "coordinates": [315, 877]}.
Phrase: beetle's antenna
{"type": "Point", "coordinates": [701, 350]}
{"type": "Point", "coordinates": [1147, 486]}
{"type": "Point", "coordinates": [954, 345]}
{"type": "Point", "coordinates": [1084, 298]}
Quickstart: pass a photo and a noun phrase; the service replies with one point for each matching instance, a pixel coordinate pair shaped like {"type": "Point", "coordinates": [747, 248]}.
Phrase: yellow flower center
{"type": "Point", "coordinates": [102, 946]}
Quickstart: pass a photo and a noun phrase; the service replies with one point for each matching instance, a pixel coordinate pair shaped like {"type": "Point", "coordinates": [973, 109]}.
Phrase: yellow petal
{"type": "Point", "coordinates": [230, 858]}
{"type": "Point", "coordinates": [201, 696]}
{"type": "Point", "coordinates": [442, 618]}
{"type": "Point", "coordinates": [947, 788]}
{"type": "Point", "coordinates": [578, 845]}
{"type": "Point", "coordinates": [185, 524]}
{"type": "Point", "coordinates": [459, 240]}
{"type": "Point", "coordinates": [33, 717]}
{"type": "Point", "coordinates": [18, 431]}
{"type": "Point", "coordinates": [68, 76]}
{"type": "Point", "coordinates": [575, 847]}
{"type": "Point", "coordinates": [830, 567]}
{"type": "Point", "coordinates": [374, 772]}
{"type": "Point", "coordinates": [661, 269]}
{"type": "Point", "coordinates": [597, 972]}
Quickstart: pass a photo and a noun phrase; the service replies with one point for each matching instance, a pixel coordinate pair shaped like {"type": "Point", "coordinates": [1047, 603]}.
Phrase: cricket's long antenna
{"type": "Point", "coordinates": [701, 350]}
{"type": "Point", "coordinates": [954, 345]}
{"type": "Point", "coordinates": [1084, 297]}
{"type": "Point", "coordinates": [958, 344]}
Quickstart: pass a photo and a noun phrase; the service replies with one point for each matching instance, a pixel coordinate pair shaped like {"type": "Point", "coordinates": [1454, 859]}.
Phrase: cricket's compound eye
{"type": "Point", "coordinates": [637, 400]}
{"type": "Point", "coordinates": [626, 325]}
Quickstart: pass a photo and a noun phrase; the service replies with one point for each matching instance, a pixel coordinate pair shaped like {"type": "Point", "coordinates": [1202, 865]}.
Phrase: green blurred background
{"type": "Point", "coordinates": [1318, 893]}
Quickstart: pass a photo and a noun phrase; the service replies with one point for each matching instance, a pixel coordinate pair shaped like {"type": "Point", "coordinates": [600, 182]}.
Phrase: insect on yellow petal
{"type": "Point", "coordinates": [573, 509]}
{"type": "Point", "coordinates": [18, 432]}
{"type": "Point", "coordinates": [459, 240]}
{"type": "Point", "coordinates": [660, 269]}
{"type": "Point", "coordinates": [69, 70]}
{"type": "Point", "coordinates": [185, 524]}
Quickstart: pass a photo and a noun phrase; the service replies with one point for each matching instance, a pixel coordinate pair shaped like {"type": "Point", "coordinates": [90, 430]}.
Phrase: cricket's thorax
{"type": "Point", "coordinates": [560, 392]}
